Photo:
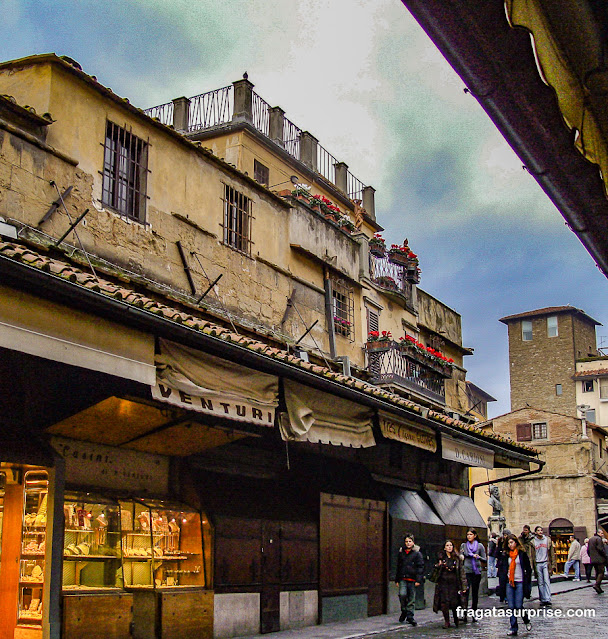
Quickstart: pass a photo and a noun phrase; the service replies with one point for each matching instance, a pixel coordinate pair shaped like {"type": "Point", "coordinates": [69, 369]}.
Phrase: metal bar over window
{"type": "Point", "coordinates": [237, 220]}
{"type": "Point", "coordinates": [125, 170]}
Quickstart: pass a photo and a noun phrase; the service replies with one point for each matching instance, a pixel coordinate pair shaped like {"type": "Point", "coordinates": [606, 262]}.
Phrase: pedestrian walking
{"type": "Point", "coordinates": [519, 584]}
{"type": "Point", "coordinates": [585, 560]}
{"type": "Point", "coordinates": [574, 559]}
{"type": "Point", "coordinates": [492, 551]}
{"type": "Point", "coordinates": [451, 583]}
{"type": "Point", "coordinates": [599, 559]}
{"type": "Point", "coordinates": [545, 565]}
{"type": "Point", "coordinates": [474, 559]}
{"type": "Point", "coordinates": [527, 541]}
{"type": "Point", "coordinates": [502, 564]}
{"type": "Point", "coordinates": [410, 571]}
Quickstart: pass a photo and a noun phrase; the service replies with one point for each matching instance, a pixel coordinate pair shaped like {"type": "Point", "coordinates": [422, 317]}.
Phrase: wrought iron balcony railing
{"type": "Point", "coordinates": [389, 276]}
{"type": "Point", "coordinates": [391, 363]}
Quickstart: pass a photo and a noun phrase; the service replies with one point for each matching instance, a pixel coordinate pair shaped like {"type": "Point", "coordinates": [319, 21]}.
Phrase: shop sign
{"type": "Point", "coordinates": [509, 461]}
{"type": "Point", "coordinates": [465, 453]}
{"type": "Point", "coordinates": [408, 433]}
{"type": "Point", "coordinates": [214, 403]}
{"type": "Point", "coordinates": [100, 466]}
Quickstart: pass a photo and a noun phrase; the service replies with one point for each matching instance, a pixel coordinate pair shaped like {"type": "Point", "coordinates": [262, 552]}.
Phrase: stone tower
{"type": "Point", "coordinates": [543, 348]}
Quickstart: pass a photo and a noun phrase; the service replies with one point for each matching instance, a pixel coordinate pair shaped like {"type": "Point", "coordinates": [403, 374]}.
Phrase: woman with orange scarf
{"type": "Point", "coordinates": [519, 584]}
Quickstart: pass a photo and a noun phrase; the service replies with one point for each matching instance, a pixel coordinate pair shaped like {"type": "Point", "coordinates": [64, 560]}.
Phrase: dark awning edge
{"type": "Point", "coordinates": [50, 286]}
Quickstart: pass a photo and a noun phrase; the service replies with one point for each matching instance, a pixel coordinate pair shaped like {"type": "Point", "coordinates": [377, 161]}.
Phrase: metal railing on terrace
{"type": "Point", "coordinates": [217, 107]}
{"type": "Point", "coordinates": [390, 364]}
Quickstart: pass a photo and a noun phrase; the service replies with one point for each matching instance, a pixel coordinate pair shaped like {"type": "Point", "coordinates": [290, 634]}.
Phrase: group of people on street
{"type": "Point", "coordinates": [457, 574]}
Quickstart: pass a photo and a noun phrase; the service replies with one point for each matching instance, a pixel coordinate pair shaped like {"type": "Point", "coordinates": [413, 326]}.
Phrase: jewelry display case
{"type": "Point", "coordinates": [33, 547]}
{"type": "Point", "coordinates": [91, 547]}
{"type": "Point", "coordinates": [162, 545]}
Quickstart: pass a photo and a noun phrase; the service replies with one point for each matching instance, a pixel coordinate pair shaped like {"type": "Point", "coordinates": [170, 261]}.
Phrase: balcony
{"type": "Point", "coordinates": [393, 364]}
{"type": "Point", "coordinates": [392, 278]}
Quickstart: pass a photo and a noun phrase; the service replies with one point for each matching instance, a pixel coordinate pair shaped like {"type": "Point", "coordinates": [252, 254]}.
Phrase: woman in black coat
{"type": "Point", "coordinates": [451, 583]}
{"type": "Point", "coordinates": [519, 582]}
{"type": "Point", "coordinates": [502, 564]}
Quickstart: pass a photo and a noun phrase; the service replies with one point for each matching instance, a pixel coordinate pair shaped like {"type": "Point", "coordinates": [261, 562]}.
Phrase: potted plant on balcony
{"type": "Point", "coordinates": [386, 281]}
{"type": "Point", "coordinates": [377, 340]}
{"type": "Point", "coordinates": [301, 193]}
{"type": "Point", "coordinates": [402, 255]}
{"type": "Point", "coordinates": [347, 225]}
{"type": "Point", "coordinates": [377, 245]}
{"type": "Point", "coordinates": [427, 355]}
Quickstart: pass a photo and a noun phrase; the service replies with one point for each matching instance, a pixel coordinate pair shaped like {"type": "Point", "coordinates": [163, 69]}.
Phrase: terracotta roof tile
{"type": "Point", "coordinates": [549, 310]}
{"type": "Point", "coordinates": [59, 268]}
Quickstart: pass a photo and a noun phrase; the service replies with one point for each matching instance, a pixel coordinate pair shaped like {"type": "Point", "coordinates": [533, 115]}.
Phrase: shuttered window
{"type": "Point", "coordinates": [373, 320]}
{"type": "Point", "coordinates": [523, 432]}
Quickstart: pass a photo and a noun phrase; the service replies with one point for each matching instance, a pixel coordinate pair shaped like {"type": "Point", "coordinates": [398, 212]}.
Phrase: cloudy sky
{"type": "Point", "coordinates": [365, 79]}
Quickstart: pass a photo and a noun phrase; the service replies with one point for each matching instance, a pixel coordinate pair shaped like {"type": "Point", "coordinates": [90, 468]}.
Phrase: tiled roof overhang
{"type": "Point", "coordinates": [550, 310]}
{"type": "Point", "coordinates": [25, 269]}
{"type": "Point", "coordinates": [497, 64]}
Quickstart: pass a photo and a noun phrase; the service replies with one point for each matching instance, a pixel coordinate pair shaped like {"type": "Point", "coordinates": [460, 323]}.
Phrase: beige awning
{"type": "Point", "coordinates": [35, 326]}
{"type": "Point", "coordinates": [317, 417]}
{"type": "Point", "coordinates": [197, 381]}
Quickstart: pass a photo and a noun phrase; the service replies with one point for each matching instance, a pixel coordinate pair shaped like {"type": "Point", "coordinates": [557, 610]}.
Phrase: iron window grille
{"type": "Point", "coordinates": [237, 220]}
{"type": "Point", "coordinates": [343, 306]}
{"type": "Point", "coordinates": [125, 172]}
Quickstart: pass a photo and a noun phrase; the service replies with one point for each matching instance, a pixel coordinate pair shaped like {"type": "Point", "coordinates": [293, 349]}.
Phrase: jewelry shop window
{"type": "Point", "coordinates": [162, 545]}
{"type": "Point", "coordinates": [125, 169]}
{"type": "Point", "coordinates": [33, 547]}
{"type": "Point", "coordinates": [91, 546]}
{"type": "Point", "coordinates": [343, 307]}
{"type": "Point", "coordinates": [237, 220]}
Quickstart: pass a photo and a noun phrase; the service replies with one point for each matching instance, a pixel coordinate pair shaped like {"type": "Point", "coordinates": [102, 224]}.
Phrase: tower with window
{"type": "Point", "coordinates": [546, 349]}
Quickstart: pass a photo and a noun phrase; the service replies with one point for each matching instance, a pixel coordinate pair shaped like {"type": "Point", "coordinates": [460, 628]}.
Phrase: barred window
{"type": "Point", "coordinates": [539, 430]}
{"type": "Point", "coordinates": [125, 169]}
{"type": "Point", "coordinates": [343, 308]}
{"type": "Point", "coordinates": [237, 220]}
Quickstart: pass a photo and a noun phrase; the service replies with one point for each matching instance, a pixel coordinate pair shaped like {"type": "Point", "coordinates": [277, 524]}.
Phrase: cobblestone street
{"type": "Point", "coordinates": [569, 598]}
{"type": "Point", "coordinates": [555, 628]}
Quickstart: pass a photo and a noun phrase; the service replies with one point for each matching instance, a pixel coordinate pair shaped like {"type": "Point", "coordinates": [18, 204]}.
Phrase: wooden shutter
{"type": "Point", "coordinates": [524, 432]}
{"type": "Point", "coordinates": [373, 320]}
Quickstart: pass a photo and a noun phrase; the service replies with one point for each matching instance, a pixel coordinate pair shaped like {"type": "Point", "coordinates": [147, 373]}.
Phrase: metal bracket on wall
{"type": "Point", "coordinates": [186, 267]}
{"type": "Point", "coordinates": [215, 281]}
{"type": "Point", "coordinates": [57, 203]}
{"type": "Point", "coordinates": [72, 226]}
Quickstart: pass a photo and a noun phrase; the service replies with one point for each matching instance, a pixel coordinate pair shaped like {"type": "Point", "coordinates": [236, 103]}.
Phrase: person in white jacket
{"type": "Point", "coordinates": [586, 560]}
{"type": "Point", "coordinates": [574, 559]}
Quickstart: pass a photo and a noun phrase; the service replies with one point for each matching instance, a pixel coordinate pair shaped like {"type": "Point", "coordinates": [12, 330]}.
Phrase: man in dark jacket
{"type": "Point", "coordinates": [410, 570]}
{"type": "Point", "coordinates": [599, 559]}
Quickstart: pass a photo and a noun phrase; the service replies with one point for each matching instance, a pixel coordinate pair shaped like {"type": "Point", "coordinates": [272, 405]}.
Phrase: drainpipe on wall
{"type": "Point", "coordinates": [329, 314]}
{"type": "Point", "coordinates": [498, 481]}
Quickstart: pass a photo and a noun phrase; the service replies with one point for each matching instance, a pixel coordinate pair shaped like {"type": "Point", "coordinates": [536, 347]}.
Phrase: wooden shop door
{"type": "Point", "coordinates": [271, 577]}
{"type": "Point", "coordinates": [376, 558]}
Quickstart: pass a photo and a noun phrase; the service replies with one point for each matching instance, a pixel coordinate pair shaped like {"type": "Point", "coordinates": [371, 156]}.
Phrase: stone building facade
{"type": "Point", "coordinates": [544, 346]}
{"type": "Point", "coordinates": [192, 412]}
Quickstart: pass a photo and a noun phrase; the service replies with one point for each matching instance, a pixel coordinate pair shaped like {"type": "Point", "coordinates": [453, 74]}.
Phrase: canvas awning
{"type": "Point", "coordinates": [45, 329]}
{"type": "Point", "coordinates": [409, 506]}
{"type": "Point", "coordinates": [317, 417]}
{"type": "Point", "coordinates": [193, 380]}
{"type": "Point", "coordinates": [456, 510]}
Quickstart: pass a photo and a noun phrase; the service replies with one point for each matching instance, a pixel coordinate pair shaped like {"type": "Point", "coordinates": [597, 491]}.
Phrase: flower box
{"type": "Point", "coordinates": [378, 345]}
{"type": "Point", "coordinates": [399, 258]}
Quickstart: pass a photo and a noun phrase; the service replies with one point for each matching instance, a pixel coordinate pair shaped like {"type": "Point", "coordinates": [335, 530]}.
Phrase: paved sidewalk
{"type": "Point", "coordinates": [385, 623]}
